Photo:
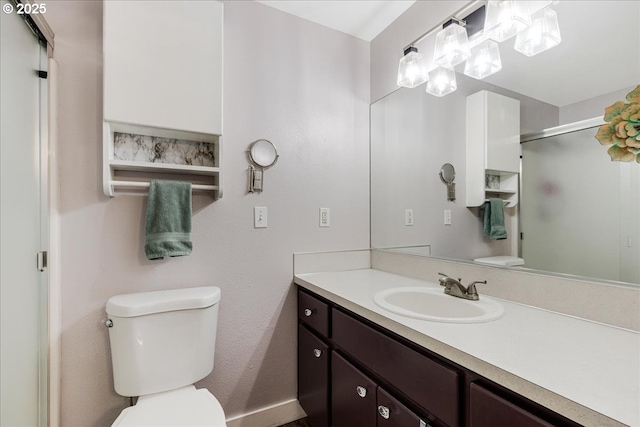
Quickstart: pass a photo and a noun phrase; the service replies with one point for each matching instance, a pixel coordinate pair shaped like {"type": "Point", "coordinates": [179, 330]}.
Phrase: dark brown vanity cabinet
{"type": "Point", "coordinates": [353, 373]}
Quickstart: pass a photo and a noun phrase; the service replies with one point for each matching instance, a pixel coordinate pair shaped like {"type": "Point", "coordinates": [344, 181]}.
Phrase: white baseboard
{"type": "Point", "coordinates": [270, 416]}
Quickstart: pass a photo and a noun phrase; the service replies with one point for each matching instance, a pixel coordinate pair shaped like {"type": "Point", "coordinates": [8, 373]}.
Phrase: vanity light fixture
{"type": "Point", "coordinates": [484, 61]}
{"type": "Point", "coordinates": [442, 81]}
{"type": "Point", "coordinates": [479, 31]}
{"type": "Point", "coordinates": [506, 18]}
{"type": "Point", "coordinates": [452, 45]}
{"type": "Point", "coordinates": [543, 34]}
{"type": "Point", "coordinates": [412, 70]}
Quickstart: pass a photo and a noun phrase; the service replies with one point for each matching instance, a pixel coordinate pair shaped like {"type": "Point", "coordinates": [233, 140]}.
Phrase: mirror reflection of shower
{"type": "Point", "coordinates": [578, 205]}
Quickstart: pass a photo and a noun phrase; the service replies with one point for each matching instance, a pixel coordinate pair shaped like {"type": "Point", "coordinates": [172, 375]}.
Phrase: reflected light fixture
{"type": "Point", "coordinates": [505, 18]}
{"type": "Point", "coordinates": [412, 70]}
{"type": "Point", "coordinates": [543, 34]}
{"type": "Point", "coordinates": [452, 45]}
{"type": "Point", "coordinates": [484, 61]}
{"type": "Point", "coordinates": [442, 81]}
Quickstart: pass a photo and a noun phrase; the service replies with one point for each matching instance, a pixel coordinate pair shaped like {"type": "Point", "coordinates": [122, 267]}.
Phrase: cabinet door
{"type": "Point", "coordinates": [163, 64]}
{"type": "Point", "coordinates": [353, 395]}
{"type": "Point", "coordinates": [490, 410]}
{"type": "Point", "coordinates": [392, 413]}
{"type": "Point", "coordinates": [313, 377]}
{"type": "Point", "coordinates": [502, 133]}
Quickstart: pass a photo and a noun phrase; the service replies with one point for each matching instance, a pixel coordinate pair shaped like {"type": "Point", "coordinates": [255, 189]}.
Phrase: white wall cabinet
{"type": "Point", "coordinates": [163, 79]}
{"type": "Point", "coordinates": [492, 148]}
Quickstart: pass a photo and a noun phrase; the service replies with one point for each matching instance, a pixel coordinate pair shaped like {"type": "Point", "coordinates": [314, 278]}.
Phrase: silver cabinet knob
{"type": "Point", "coordinates": [384, 412]}
{"type": "Point", "coordinates": [362, 392]}
{"type": "Point", "coordinates": [316, 352]}
{"type": "Point", "coordinates": [308, 312]}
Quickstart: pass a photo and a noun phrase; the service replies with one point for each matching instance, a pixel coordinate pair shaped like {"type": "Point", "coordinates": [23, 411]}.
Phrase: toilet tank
{"type": "Point", "coordinates": [162, 340]}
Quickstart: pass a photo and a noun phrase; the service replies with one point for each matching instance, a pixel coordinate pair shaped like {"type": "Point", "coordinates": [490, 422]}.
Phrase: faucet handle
{"type": "Point", "coordinates": [446, 276]}
{"type": "Point", "coordinates": [471, 289]}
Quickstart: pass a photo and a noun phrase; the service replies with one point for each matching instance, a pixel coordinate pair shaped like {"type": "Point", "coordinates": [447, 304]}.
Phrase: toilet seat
{"type": "Point", "coordinates": [182, 407]}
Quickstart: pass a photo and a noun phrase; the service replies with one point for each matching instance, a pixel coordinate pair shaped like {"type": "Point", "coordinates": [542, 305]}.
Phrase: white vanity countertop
{"type": "Point", "coordinates": [578, 368]}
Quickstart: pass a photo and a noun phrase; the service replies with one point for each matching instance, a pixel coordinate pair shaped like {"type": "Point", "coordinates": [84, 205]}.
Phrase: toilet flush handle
{"type": "Point", "coordinates": [108, 323]}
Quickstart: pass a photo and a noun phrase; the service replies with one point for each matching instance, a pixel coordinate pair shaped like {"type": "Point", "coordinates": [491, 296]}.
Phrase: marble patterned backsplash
{"type": "Point", "coordinates": [152, 149]}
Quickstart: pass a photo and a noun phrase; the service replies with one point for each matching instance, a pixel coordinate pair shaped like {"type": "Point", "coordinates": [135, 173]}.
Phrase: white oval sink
{"type": "Point", "coordinates": [433, 304]}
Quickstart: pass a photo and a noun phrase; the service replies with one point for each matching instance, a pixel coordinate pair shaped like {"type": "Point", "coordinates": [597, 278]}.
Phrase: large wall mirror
{"type": "Point", "coordinates": [579, 212]}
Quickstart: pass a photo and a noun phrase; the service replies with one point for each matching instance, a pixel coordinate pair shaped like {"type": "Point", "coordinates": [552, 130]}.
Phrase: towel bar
{"type": "Point", "coordinates": [142, 184]}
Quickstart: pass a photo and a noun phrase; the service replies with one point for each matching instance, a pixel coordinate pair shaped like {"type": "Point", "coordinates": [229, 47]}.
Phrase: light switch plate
{"type": "Point", "coordinates": [408, 217]}
{"type": "Point", "coordinates": [447, 217]}
{"type": "Point", "coordinates": [259, 217]}
{"type": "Point", "coordinates": [325, 217]}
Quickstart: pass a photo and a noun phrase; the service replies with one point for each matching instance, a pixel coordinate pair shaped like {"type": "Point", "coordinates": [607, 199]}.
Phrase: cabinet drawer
{"type": "Point", "coordinates": [429, 384]}
{"type": "Point", "coordinates": [314, 313]}
{"type": "Point", "coordinates": [490, 410]}
{"type": "Point", "coordinates": [313, 377]}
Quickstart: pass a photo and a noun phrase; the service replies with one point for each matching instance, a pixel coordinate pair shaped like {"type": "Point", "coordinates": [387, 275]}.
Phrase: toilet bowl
{"type": "Point", "coordinates": [183, 407]}
{"type": "Point", "coordinates": [161, 344]}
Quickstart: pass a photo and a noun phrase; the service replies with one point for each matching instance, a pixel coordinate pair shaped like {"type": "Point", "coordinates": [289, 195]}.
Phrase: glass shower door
{"type": "Point", "coordinates": [23, 215]}
{"type": "Point", "coordinates": [579, 210]}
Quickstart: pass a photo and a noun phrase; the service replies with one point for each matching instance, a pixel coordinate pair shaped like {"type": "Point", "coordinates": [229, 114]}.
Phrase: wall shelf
{"type": "Point", "coordinates": [162, 95]}
{"type": "Point", "coordinates": [135, 155]}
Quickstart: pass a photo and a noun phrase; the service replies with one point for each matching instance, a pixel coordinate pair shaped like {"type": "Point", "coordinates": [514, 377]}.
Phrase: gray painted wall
{"type": "Point", "coordinates": [302, 86]}
{"type": "Point", "coordinates": [591, 108]}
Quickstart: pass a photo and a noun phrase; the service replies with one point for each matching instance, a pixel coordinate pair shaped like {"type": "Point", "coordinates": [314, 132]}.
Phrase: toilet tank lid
{"type": "Point", "coordinates": [140, 304]}
{"type": "Point", "coordinates": [505, 261]}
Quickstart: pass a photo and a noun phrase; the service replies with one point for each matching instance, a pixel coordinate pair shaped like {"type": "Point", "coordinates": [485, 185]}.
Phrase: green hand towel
{"type": "Point", "coordinates": [168, 227]}
{"type": "Point", "coordinates": [494, 219]}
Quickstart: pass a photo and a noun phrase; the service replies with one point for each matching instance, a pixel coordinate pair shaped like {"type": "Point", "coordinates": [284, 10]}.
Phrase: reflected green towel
{"type": "Point", "coordinates": [494, 219]}
{"type": "Point", "coordinates": [168, 227]}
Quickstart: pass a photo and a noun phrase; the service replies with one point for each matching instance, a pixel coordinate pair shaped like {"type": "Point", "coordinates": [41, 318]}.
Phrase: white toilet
{"type": "Point", "coordinates": [161, 343]}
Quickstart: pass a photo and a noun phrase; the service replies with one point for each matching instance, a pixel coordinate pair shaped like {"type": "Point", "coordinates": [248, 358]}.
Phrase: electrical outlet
{"type": "Point", "coordinates": [325, 217]}
{"type": "Point", "coordinates": [259, 217]}
{"type": "Point", "coordinates": [408, 217]}
{"type": "Point", "coordinates": [447, 217]}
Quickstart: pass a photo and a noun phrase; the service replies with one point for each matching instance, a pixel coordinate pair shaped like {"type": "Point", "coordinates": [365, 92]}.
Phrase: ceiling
{"type": "Point", "coordinates": [599, 53]}
{"type": "Point", "coordinates": [362, 19]}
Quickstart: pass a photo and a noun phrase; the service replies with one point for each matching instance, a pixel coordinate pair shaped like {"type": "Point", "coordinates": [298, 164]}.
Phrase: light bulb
{"type": "Point", "coordinates": [442, 81]}
{"type": "Point", "coordinates": [484, 61]}
{"type": "Point", "coordinates": [412, 69]}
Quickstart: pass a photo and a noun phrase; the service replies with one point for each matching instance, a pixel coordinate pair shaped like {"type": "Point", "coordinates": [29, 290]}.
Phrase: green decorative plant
{"type": "Point", "coordinates": [622, 130]}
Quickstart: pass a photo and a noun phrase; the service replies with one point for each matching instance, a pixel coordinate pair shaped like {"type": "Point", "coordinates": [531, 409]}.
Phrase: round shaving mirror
{"type": "Point", "coordinates": [447, 175]}
{"type": "Point", "coordinates": [263, 153]}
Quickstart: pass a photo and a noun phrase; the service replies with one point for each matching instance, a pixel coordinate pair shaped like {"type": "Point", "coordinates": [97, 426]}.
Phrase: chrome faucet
{"type": "Point", "coordinates": [454, 288]}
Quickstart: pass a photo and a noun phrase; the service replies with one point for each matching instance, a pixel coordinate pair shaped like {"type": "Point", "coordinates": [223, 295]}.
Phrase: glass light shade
{"type": "Point", "coordinates": [505, 19]}
{"type": "Point", "coordinates": [452, 46]}
{"type": "Point", "coordinates": [412, 70]}
{"type": "Point", "coordinates": [484, 61]}
{"type": "Point", "coordinates": [543, 34]}
{"type": "Point", "coordinates": [442, 81]}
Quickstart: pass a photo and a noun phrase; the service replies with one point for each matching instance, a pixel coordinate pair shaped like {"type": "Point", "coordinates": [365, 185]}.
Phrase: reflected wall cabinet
{"type": "Point", "coordinates": [163, 90]}
{"type": "Point", "coordinates": [492, 148]}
